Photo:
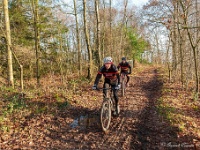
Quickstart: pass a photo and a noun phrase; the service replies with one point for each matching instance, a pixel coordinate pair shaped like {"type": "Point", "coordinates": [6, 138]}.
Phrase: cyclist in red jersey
{"type": "Point", "coordinates": [112, 78]}
{"type": "Point", "coordinates": [125, 68]}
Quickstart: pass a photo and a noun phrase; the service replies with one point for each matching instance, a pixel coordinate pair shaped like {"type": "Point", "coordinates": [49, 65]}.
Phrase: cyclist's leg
{"type": "Point", "coordinates": [128, 78]}
{"type": "Point", "coordinates": [120, 77]}
{"type": "Point", "coordinates": [105, 85]}
{"type": "Point", "coordinates": [115, 93]}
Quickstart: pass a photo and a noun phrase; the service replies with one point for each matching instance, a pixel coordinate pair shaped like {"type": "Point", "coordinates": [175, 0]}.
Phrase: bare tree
{"type": "Point", "coordinates": [193, 42]}
{"type": "Point", "coordinates": [111, 38]}
{"type": "Point", "coordinates": [8, 40]}
{"type": "Point", "coordinates": [124, 22]}
{"type": "Point", "coordinates": [98, 32]}
{"type": "Point", "coordinates": [180, 18]}
{"type": "Point", "coordinates": [180, 43]}
{"type": "Point", "coordinates": [90, 65]}
{"type": "Point", "coordinates": [78, 39]}
{"type": "Point", "coordinates": [36, 30]}
{"type": "Point", "coordinates": [103, 29]}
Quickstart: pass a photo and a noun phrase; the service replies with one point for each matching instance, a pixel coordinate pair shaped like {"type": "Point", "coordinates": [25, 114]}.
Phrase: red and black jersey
{"type": "Point", "coordinates": [124, 67]}
{"type": "Point", "coordinates": [110, 74]}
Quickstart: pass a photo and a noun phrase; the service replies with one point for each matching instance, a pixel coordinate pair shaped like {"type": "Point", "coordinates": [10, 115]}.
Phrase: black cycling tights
{"type": "Point", "coordinates": [107, 85]}
{"type": "Point", "coordinates": [128, 78]}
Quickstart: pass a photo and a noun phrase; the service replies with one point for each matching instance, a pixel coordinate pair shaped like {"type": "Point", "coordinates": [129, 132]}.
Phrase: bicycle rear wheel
{"type": "Point", "coordinates": [105, 116]}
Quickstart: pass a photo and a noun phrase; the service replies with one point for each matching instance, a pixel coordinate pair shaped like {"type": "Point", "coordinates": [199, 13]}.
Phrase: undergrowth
{"type": "Point", "coordinates": [176, 105]}
{"type": "Point", "coordinates": [48, 98]}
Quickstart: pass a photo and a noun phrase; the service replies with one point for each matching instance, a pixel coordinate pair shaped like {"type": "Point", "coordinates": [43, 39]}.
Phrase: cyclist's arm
{"type": "Point", "coordinates": [118, 77]}
{"type": "Point", "coordinates": [130, 68]}
{"type": "Point", "coordinates": [98, 77]}
{"type": "Point", "coordinates": [116, 70]}
{"type": "Point", "coordinates": [118, 66]}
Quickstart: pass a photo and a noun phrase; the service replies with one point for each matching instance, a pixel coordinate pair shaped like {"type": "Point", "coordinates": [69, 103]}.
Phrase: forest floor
{"type": "Point", "coordinates": [154, 114]}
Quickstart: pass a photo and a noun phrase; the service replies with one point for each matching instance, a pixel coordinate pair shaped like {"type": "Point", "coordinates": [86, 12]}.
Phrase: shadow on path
{"type": "Point", "coordinates": [152, 132]}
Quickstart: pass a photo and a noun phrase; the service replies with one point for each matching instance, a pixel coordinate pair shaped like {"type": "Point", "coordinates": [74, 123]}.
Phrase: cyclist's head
{"type": "Point", "coordinates": [107, 62]}
{"type": "Point", "coordinates": [123, 59]}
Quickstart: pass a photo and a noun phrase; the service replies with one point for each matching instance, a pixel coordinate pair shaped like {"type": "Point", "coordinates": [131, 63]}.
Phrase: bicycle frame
{"type": "Point", "coordinates": [109, 96]}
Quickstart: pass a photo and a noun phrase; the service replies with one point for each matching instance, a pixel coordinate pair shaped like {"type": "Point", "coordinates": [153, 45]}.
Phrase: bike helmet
{"type": "Point", "coordinates": [107, 60]}
{"type": "Point", "coordinates": [124, 58]}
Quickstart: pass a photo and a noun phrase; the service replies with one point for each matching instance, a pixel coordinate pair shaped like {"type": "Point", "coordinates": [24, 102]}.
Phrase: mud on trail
{"type": "Point", "coordinates": [138, 126]}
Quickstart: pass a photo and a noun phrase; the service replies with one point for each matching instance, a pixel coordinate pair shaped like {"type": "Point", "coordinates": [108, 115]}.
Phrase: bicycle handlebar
{"type": "Point", "coordinates": [110, 88]}
{"type": "Point", "coordinates": [128, 73]}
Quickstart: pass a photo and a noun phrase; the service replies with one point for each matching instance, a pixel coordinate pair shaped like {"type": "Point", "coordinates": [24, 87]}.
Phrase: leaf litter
{"type": "Point", "coordinates": [154, 114]}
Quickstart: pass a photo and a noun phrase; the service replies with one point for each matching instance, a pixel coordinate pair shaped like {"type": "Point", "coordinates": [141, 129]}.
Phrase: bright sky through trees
{"type": "Point", "coordinates": [139, 2]}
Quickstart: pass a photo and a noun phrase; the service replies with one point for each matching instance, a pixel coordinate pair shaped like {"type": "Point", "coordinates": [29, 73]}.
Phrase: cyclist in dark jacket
{"type": "Point", "coordinates": [125, 68]}
{"type": "Point", "coordinates": [112, 78]}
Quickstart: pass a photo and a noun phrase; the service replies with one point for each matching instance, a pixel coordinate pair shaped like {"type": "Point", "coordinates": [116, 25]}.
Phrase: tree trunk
{"type": "Point", "coordinates": [87, 42]}
{"type": "Point", "coordinates": [111, 42]}
{"type": "Point", "coordinates": [21, 77]}
{"type": "Point", "coordinates": [158, 59]}
{"type": "Point", "coordinates": [197, 47]}
{"type": "Point", "coordinates": [180, 42]}
{"type": "Point", "coordinates": [36, 19]}
{"type": "Point", "coordinates": [104, 33]}
{"type": "Point", "coordinates": [98, 32]}
{"type": "Point", "coordinates": [60, 58]}
{"type": "Point", "coordinates": [122, 36]}
{"type": "Point", "coordinates": [21, 70]}
{"type": "Point", "coordinates": [78, 40]}
{"type": "Point", "coordinates": [194, 49]}
{"type": "Point", "coordinates": [174, 43]}
{"type": "Point", "coordinates": [169, 65]}
{"type": "Point", "coordinates": [8, 40]}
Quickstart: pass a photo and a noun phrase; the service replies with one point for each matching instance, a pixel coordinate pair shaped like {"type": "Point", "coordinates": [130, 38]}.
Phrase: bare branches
{"type": "Point", "coordinates": [181, 20]}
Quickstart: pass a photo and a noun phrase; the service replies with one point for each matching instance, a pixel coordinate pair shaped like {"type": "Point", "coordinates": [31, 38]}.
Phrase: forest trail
{"type": "Point", "coordinates": [138, 126]}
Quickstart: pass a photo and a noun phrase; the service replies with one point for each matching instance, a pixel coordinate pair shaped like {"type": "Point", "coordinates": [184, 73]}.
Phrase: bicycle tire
{"type": "Point", "coordinates": [105, 110]}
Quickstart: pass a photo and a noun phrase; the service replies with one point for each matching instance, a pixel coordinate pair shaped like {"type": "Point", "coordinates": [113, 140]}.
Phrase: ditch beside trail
{"type": "Point", "coordinates": [137, 127]}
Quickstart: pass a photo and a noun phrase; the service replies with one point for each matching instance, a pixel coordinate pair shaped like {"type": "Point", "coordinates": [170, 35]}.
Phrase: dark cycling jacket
{"type": "Point", "coordinates": [124, 67]}
{"type": "Point", "coordinates": [111, 75]}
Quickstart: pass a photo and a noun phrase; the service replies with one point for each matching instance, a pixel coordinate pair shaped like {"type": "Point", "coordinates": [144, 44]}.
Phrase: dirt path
{"type": "Point", "coordinates": [137, 127]}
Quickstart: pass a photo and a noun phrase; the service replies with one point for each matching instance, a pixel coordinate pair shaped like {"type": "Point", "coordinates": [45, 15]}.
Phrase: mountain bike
{"type": "Point", "coordinates": [107, 109]}
{"type": "Point", "coordinates": [123, 77]}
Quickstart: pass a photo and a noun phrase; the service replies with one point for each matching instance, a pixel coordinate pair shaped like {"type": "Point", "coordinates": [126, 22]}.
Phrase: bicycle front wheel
{"type": "Point", "coordinates": [105, 116]}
